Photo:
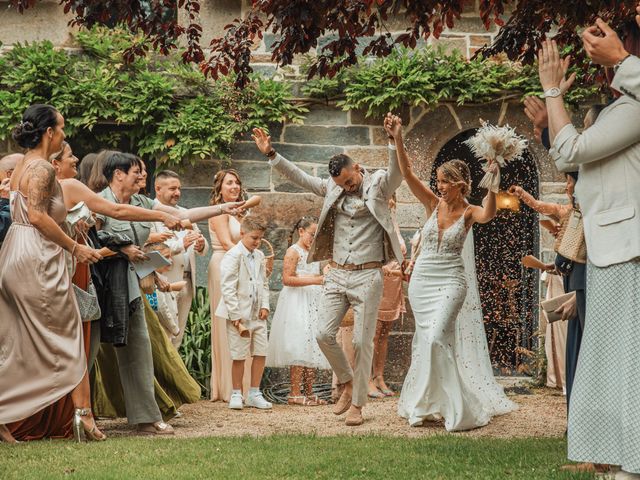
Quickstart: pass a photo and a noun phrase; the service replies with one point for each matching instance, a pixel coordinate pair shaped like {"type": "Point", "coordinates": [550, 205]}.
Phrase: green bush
{"type": "Point", "coordinates": [166, 110]}
{"type": "Point", "coordinates": [196, 343]}
{"type": "Point", "coordinates": [427, 76]}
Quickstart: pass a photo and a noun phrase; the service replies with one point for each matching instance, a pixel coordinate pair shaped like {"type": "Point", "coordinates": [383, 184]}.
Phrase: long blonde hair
{"type": "Point", "coordinates": [457, 172]}
{"type": "Point", "coordinates": [216, 191]}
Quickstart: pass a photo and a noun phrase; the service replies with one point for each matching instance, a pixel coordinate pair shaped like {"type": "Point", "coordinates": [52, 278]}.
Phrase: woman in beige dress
{"type": "Point", "coordinates": [391, 307]}
{"type": "Point", "coordinates": [41, 345]}
{"type": "Point", "coordinates": [224, 231]}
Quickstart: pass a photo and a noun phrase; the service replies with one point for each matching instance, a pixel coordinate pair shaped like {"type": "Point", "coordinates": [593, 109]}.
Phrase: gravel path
{"type": "Point", "coordinates": [541, 414]}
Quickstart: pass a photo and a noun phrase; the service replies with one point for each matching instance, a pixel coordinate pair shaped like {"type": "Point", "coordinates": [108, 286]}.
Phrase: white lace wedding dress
{"type": "Point", "coordinates": [450, 376]}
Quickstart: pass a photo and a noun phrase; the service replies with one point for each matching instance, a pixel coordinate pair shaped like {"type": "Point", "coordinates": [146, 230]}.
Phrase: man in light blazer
{"type": "Point", "coordinates": [356, 233]}
{"type": "Point", "coordinates": [604, 413]}
{"type": "Point", "coordinates": [245, 304]}
{"type": "Point", "coordinates": [184, 247]}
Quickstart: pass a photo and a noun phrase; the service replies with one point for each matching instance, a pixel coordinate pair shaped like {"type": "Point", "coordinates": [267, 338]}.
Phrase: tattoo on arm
{"type": "Point", "coordinates": [40, 186]}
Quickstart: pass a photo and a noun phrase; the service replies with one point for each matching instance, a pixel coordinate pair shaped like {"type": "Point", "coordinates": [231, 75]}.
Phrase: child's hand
{"type": "Point", "coordinates": [264, 314]}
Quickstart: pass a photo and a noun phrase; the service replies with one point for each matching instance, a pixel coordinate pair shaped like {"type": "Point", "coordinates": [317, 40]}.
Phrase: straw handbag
{"type": "Point", "coordinates": [571, 243]}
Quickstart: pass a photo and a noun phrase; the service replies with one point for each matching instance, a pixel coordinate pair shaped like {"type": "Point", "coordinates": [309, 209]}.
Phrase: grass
{"type": "Point", "coordinates": [289, 457]}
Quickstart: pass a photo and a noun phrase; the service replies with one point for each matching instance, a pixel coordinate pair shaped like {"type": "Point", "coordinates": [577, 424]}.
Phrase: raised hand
{"type": "Point", "coordinates": [603, 45]}
{"type": "Point", "coordinates": [536, 110]}
{"type": "Point", "coordinates": [263, 141]}
{"type": "Point", "coordinates": [551, 68]}
{"type": "Point", "coordinates": [393, 126]}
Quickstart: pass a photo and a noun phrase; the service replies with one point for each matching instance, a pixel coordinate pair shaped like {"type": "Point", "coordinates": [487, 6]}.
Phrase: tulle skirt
{"type": "Point", "coordinates": [292, 340]}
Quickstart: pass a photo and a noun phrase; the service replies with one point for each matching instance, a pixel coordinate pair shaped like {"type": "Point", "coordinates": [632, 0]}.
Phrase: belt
{"type": "Point", "coordinates": [353, 267]}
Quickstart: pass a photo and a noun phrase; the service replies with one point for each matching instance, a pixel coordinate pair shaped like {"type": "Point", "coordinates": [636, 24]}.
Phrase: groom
{"type": "Point", "coordinates": [356, 234]}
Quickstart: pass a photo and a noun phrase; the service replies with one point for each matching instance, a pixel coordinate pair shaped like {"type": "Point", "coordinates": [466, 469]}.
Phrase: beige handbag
{"type": "Point", "coordinates": [550, 306]}
{"type": "Point", "coordinates": [571, 243]}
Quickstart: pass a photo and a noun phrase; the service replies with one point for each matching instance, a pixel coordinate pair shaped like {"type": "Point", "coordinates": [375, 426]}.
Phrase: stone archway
{"type": "Point", "coordinates": [508, 292]}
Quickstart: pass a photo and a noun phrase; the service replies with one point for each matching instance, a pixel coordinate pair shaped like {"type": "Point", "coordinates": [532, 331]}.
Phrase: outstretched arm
{"type": "Point", "coordinates": [546, 208]}
{"type": "Point", "coordinates": [75, 192]}
{"type": "Point", "coordinates": [198, 214]}
{"type": "Point", "coordinates": [393, 126]}
{"type": "Point", "coordinates": [41, 186]}
{"type": "Point", "coordinates": [315, 185]}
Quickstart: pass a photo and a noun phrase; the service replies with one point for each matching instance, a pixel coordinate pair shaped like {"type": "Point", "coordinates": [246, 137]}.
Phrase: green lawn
{"type": "Point", "coordinates": [287, 457]}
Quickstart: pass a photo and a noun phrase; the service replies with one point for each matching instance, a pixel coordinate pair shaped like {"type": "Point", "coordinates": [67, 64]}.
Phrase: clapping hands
{"type": "Point", "coordinates": [553, 69]}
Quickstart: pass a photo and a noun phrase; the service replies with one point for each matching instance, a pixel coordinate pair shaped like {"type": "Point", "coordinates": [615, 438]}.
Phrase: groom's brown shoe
{"type": "Point", "coordinates": [343, 403]}
{"type": "Point", "coordinates": [354, 416]}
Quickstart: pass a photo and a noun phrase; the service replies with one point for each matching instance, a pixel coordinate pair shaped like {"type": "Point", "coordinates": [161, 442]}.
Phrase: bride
{"type": "Point", "coordinates": [450, 376]}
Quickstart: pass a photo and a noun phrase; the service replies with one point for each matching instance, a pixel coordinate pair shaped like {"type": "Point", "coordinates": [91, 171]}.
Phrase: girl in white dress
{"type": "Point", "coordinates": [440, 383]}
{"type": "Point", "coordinates": [292, 341]}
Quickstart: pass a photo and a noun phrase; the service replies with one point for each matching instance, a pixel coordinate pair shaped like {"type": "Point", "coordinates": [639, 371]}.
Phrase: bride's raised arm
{"type": "Point", "coordinates": [393, 126]}
{"type": "Point", "coordinates": [487, 211]}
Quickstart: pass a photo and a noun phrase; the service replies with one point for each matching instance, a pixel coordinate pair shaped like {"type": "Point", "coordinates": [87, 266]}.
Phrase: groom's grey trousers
{"type": "Point", "coordinates": [362, 290]}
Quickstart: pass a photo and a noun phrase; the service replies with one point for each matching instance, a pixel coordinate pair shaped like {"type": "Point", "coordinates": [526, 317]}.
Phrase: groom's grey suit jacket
{"type": "Point", "coordinates": [377, 188]}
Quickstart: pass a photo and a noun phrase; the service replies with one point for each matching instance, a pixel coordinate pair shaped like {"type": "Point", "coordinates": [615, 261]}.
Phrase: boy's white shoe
{"type": "Point", "coordinates": [235, 402]}
{"type": "Point", "coordinates": [256, 400]}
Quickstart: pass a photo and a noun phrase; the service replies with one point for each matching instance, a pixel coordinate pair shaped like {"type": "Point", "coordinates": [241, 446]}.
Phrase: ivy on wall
{"type": "Point", "coordinates": [170, 111]}
{"type": "Point", "coordinates": [428, 76]}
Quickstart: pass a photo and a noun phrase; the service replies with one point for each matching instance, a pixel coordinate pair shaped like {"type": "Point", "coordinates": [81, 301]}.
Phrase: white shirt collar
{"type": "Point", "coordinates": [245, 251]}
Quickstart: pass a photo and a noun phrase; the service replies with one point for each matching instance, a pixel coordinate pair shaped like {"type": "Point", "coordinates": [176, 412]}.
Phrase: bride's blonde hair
{"type": "Point", "coordinates": [457, 172]}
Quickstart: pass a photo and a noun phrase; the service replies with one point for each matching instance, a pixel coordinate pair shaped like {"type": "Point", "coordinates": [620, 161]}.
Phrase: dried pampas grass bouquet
{"type": "Point", "coordinates": [497, 146]}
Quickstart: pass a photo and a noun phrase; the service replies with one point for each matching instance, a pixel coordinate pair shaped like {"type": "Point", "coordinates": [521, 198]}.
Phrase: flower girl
{"type": "Point", "coordinates": [292, 340]}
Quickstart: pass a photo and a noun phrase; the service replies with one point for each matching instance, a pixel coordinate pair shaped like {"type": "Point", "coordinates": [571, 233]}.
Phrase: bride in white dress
{"type": "Point", "coordinates": [450, 376]}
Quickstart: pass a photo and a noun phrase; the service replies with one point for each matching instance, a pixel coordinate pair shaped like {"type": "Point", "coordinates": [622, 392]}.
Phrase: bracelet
{"type": "Point", "coordinates": [75, 244]}
{"type": "Point", "coordinates": [271, 153]}
{"type": "Point", "coordinates": [619, 64]}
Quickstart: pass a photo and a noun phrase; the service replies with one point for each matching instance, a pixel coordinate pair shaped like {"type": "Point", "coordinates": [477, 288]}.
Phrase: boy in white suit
{"type": "Point", "coordinates": [245, 305]}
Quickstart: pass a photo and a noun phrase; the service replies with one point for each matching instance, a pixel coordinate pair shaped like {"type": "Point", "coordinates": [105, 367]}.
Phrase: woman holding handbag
{"type": "Point", "coordinates": [571, 266]}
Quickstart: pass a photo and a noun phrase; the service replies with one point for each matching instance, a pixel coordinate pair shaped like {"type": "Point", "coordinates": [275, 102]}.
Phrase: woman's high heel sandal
{"type": "Point", "coordinates": [80, 432]}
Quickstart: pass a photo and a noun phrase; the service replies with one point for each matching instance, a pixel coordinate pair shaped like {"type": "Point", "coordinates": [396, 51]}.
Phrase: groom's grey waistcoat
{"type": "Point", "coordinates": [348, 233]}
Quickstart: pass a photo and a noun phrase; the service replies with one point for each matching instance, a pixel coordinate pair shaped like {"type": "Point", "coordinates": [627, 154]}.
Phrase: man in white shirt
{"type": "Point", "coordinates": [184, 246]}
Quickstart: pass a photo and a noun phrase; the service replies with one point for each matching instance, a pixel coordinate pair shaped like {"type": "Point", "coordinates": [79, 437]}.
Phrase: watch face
{"type": "Point", "coordinates": [553, 92]}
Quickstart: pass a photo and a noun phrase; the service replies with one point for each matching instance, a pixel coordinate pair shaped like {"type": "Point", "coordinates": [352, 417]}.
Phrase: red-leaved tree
{"type": "Point", "coordinates": [299, 24]}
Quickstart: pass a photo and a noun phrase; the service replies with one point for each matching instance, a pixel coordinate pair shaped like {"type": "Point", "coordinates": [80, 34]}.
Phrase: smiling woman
{"type": "Point", "coordinates": [224, 231]}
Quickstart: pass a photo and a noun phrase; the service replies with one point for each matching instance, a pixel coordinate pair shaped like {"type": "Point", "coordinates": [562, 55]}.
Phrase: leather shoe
{"type": "Point", "coordinates": [354, 417]}
{"type": "Point", "coordinates": [343, 403]}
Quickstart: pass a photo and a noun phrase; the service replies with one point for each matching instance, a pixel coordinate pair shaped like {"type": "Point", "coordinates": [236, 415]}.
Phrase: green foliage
{"type": "Point", "coordinates": [166, 109]}
{"type": "Point", "coordinates": [427, 76]}
{"type": "Point", "coordinates": [196, 343]}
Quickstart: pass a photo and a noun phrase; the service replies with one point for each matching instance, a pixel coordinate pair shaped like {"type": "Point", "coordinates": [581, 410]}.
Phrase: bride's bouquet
{"type": "Point", "coordinates": [498, 146]}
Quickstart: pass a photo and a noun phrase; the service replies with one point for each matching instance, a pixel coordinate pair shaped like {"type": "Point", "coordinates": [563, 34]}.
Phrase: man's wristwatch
{"type": "Point", "coordinates": [271, 153]}
{"type": "Point", "coordinates": [553, 92]}
{"type": "Point", "coordinates": [617, 65]}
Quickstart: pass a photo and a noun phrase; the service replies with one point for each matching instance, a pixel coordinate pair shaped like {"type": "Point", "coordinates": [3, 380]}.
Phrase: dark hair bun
{"type": "Point", "coordinates": [35, 121]}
